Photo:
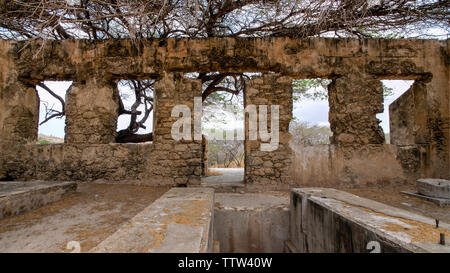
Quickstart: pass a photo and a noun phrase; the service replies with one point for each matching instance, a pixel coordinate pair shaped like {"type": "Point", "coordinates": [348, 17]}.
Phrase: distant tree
{"type": "Point", "coordinates": [225, 153]}
{"type": "Point", "coordinates": [306, 134]}
{"type": "Point", "coordinates": [317, 89]}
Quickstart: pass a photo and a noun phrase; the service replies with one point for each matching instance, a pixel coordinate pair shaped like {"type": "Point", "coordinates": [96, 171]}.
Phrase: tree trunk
{"type": "Point", "coordinates": [134, 138]}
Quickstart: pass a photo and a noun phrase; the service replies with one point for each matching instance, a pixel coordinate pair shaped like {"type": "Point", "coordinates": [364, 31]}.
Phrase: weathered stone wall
{"type": "Point", "coordinates": [355, 66]}
{"type": "Point", "coordinates": [19, 104]}
{"type": "Point", "coordinates": [90, 123]}
{"type": "Point", "coordinates": [408, 117]}
{"type": "Point", "coordinates": [174, 161]}
{"type": "Point", "coordinates": [368, 165]}
{"type": "Point", "coordinates": [269, 167]}
{"type": "Point", "coordinates": [81, 162]}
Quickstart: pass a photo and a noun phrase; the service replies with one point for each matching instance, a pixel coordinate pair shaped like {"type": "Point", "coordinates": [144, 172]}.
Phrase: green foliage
{"type": "Point", "coordinates": [226, 153]}
{"type": "Point", "coordinates": [387, 91]}
{"type": "Point", "coordinates": [387, 137]}
{"type": "Point", "coordinates": [43, 141]}
{"type": "Point", "coordinates": [313, 89]}
{"type": "Point", "coordinates": [220, 107]}
{"type": "Point", "coordinates": [317, 89]}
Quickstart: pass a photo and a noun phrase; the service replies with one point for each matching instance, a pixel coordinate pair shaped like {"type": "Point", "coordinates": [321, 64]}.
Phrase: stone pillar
{"type": "Point", "coordinates": [19, 103]}
{"type": "Point", "coordinates": [19, 112]}
{"type": "Point", "coordinates": [175, 161]}
{"type": "Point", "coordinates": [91, 111]}
{"type": "Point", "coordinates": [354, 101]}
{"type": "Point", "coordinates": [269, 167]}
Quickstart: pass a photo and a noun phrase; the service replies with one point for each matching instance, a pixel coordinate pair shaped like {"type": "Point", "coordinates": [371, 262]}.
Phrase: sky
{"type": "Point", "coordinates": [314, 112]}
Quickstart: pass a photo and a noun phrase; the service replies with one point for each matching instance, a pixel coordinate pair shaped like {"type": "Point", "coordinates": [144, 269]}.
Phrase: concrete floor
{"type": "Point", "coordinates": [88, 216]}
{"type": "Point", "coordinates": [227, 175]}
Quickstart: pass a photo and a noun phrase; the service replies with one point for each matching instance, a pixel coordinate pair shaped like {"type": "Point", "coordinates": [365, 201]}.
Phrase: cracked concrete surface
{"type": "Point", "coordinates": [89, 216]}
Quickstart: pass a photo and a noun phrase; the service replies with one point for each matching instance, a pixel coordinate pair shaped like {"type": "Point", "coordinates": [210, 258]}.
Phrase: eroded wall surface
{"type": "Point", "coordinates": [354, 66]}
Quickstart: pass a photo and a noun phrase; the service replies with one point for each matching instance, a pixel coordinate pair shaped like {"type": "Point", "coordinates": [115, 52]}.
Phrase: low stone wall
{"type": "Point", "coordinates": [328, 220]}
{"type": "Point", "coordinates": [20, 197]}
{"type": "Point", "coordinates": [180, 221]}
{"type": "Point", "coordinates": [112, 163]}
{"type": "Point", "coordinates": [368, 165]}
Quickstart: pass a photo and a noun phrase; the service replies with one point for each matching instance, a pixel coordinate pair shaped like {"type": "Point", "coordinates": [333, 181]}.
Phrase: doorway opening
{"type": "Point", "coordinates": [223, 126]}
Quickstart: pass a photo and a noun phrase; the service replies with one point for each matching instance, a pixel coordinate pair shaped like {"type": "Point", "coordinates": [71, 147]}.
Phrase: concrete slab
{"type": "Point", "coordinates": [88, 216]}
{"type": "Point", "coordinates": [437, 188]}
{"type": "Point", "coordinates": [441, 202]}
{"type": "Point", "coordinates": [328, 220]}
{"type": "Point", "coordinates": [19, 197]}
{"type": "Point", "coordinates": [179, 221]}
{"type": "Point", "coordinates": [251, 222]}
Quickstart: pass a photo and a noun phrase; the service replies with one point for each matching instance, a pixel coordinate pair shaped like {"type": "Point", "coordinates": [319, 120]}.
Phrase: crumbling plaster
{"type": "Point", "coordinates": [355, 66]}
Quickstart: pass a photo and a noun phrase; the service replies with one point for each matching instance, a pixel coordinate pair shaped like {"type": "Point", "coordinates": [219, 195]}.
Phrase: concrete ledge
{"type": "Point", "coordinates": [437, 188]}
{"type": "Point", "coordinates": [441, 202]}
{"type": "Point", "coordinates": [19, 197]}
{"type": "Point", "coordinates": [251, 222]}
{"type": "Point", "coordinates": [328, 220]}
{"type": "Point", "coordinates": [179, 221]}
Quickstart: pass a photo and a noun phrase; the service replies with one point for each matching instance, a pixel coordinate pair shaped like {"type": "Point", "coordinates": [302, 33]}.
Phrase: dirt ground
{"type": "Point", "coordinates": [88, 216]}
{"type": "Point", "coordinates": [392, 196]}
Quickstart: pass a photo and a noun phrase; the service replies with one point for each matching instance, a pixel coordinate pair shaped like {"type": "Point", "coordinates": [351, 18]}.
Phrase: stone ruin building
{"type": "Point", "coordinates": [357, 156]}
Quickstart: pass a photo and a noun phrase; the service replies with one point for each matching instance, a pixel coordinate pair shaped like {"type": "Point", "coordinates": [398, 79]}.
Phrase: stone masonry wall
{"type": "Point", "coordinates": [19, 104]}
{"type": "Point", "coordinates": [354, 101]}
{"type": "Point", "coordinates": [77, 162]}
{"type": "Point", "coordinates": [408, 117]}
{"type": "Point", "coordinates": [177, 162]}
{"type": "Point", "coordinates": [356, 67]}
{"type": "Point", "coordinates": [84, 158]}
{"type": "Point", "coordinates": [269, 167]}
